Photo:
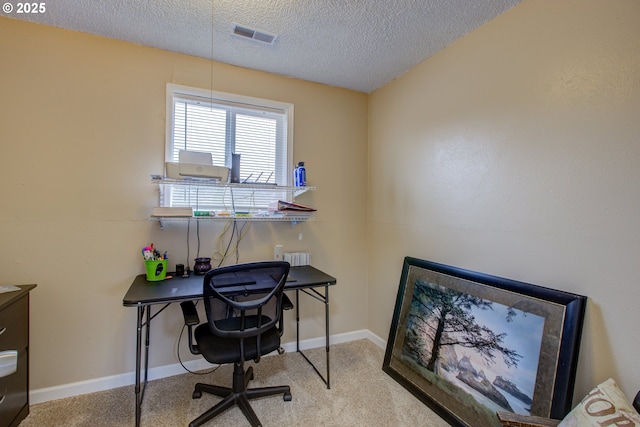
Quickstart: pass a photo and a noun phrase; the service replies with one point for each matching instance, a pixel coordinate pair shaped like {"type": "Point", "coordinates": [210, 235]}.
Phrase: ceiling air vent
{"type": "Point", "coordinates": [253, 34]}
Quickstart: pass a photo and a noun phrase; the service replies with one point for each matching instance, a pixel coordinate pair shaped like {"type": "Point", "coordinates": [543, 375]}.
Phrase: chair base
{"type": "Point", "coordinates": [239, 395]}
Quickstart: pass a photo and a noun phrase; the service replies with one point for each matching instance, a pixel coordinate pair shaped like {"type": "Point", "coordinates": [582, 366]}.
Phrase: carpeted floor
{"type": "Point", "coordinates": [361, 394]}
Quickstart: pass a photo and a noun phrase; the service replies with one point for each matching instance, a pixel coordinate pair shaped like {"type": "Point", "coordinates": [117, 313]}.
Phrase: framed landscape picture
{"type": "Point", "coordinates": [469, 344]}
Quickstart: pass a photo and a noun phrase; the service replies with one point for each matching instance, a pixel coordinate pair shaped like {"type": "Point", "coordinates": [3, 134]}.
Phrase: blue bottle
{"type": "Point", "coordinates": [300, 175]}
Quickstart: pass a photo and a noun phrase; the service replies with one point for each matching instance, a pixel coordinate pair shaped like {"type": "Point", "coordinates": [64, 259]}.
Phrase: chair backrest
{"type": "Point", "coordinates": [244, 300]}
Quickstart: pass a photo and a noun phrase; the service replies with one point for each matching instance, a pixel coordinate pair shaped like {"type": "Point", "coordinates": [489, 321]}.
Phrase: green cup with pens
{"type": "Point", "coordinates": [155, 263]}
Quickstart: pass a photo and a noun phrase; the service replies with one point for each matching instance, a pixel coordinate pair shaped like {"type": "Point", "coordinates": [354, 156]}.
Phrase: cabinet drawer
{"type": "Point", "coordinates": [13, 392]}
{"type": "Point", "coordinates": [14, 325]}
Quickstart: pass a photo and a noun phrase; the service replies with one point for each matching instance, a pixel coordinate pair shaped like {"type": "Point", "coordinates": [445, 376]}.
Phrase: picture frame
{"type": "Point", "coordinates": [469, 344]}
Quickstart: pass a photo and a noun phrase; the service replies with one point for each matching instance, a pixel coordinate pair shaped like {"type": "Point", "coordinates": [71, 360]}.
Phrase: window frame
{"type": "Point", "coordinates": [207, 96]}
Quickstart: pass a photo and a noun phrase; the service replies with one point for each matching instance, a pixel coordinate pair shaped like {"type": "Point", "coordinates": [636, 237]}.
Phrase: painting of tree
{"type": "Point", "coordinates": [469, 344]}
{"type": "Point", "coordinates": [443, 317]}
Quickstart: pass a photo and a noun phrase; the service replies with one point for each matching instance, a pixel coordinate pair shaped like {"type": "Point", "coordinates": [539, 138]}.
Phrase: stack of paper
{"type": "Point", "coordinates": [173, 211]}
{"type": "Point", "coordinates": [297, 258]}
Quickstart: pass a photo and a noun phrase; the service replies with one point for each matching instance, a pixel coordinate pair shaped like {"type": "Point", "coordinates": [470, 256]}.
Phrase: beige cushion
{"type": "Point", "coordinates": [604, 406]}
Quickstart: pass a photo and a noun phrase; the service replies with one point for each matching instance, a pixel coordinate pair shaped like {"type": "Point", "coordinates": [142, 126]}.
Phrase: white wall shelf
{"type": "Point", "coordinates": [211, 183]}
{"type": "Point", "coordinates": [248, 199]}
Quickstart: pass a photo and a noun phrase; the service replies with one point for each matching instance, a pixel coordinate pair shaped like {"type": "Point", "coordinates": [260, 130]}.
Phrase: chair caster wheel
{"type": "Point", "coordinates": [197, 394]}
{"type": "Point", "coordinates": [280, 350]}
{"type": "Point", "coordinates": [287, 397]}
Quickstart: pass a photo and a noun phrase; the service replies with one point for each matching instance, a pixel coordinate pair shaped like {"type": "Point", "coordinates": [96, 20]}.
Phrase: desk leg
{"type": "Point", "coordinates": [146, 352]}
{"type": "Point", "coordinates": [325, 299]}
{"type": "Point", "coordinates": [297, 321]}
{"type": "Point", "coordinates": [141, 310]}
{"type": "Point", "coordinates": [326, 328]}
{"type": "Point", "coordinates": [140, 385]}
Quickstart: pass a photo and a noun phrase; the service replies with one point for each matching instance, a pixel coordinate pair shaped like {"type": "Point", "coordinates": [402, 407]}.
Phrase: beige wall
{"type": "Point", "coordinates": [82, 124]}
{"type": "Point", "coordinates": [516, 152]}
{"type": "Point", "coordinates": [513, 152]}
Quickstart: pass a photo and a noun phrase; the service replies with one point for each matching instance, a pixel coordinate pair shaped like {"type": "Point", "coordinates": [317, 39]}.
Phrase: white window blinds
{"type": "Point", "coordinates": [225, 124]}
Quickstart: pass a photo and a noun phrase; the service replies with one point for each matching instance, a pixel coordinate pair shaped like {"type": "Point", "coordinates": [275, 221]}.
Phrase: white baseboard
{"type": "Point", "coordinates": [121, 380]}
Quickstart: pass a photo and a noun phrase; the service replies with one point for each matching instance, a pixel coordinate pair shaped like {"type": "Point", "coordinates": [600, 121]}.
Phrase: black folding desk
{"type": "Point", "coordinates": [143, 295]}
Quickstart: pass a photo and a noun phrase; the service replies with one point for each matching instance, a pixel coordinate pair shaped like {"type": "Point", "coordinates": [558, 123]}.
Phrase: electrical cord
{"type": "Point", "coordinates": [198, 238]}
{"type": "Point", "coordinates": [226, 251]}
{"type": "Point", "coordinates": [221, 255]}
{"type": "Point", "coordinates": [188, 245]}
{"type": "Point", "coordinates": [212, 370]}
{"type": "Point", "coordinates": [238, 234]}
{"type": "Point", "coordinates": [219, 252]}
{"type": "Point", "coordinates": [239, 237]}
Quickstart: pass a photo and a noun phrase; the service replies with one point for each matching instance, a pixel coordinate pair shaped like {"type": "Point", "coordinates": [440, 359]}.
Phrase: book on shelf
{"type": "Point", "coordinates": [291, 214]}
{"type": "Point", "coordinates": [282, 206]}
{"type": "Point", "coordinates": [172, 211]}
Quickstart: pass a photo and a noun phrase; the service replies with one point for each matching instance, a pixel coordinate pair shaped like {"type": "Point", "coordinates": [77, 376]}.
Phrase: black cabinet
{"type": "Point", "coordinates": [14, 356]}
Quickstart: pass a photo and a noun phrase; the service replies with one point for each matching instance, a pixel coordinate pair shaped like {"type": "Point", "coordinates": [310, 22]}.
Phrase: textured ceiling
{"type": "Point", "coordinates": [354, 44]}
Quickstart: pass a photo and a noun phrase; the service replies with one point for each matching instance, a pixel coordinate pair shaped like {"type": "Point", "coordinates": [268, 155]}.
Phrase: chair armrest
{"type": "Point", "coordinates": [189, 313]}
{"type": "Point", "coordinates": [509, 419]}
{"type": "Point", "coordinates": [286, 302]}
{"type": "Point", "coordinates": [286, 305]}
{"type": "Point", "coordinates": [191, 319]}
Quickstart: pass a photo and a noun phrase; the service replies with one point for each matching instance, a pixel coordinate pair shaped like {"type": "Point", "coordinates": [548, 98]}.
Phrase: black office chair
{"type": "Point", "coordinates": [244, 304]}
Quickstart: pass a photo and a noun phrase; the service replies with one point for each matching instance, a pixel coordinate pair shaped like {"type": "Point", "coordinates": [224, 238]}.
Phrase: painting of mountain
{"type": "Point", "coordinates": [488, 350]}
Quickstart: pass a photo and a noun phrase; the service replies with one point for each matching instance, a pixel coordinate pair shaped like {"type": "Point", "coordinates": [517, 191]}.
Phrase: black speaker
{"type": "Point", "coordinates": [235, 167]}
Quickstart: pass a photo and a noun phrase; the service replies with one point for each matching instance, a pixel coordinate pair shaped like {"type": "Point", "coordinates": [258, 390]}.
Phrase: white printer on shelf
{"type": "Point", "coordinates": [196, 164]}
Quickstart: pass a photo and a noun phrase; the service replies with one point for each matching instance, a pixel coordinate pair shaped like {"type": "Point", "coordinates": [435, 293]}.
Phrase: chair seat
{"type": "Point", "coordinates": [241, 326]}
{"type": "Point", "coordinates": [221, 350]}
